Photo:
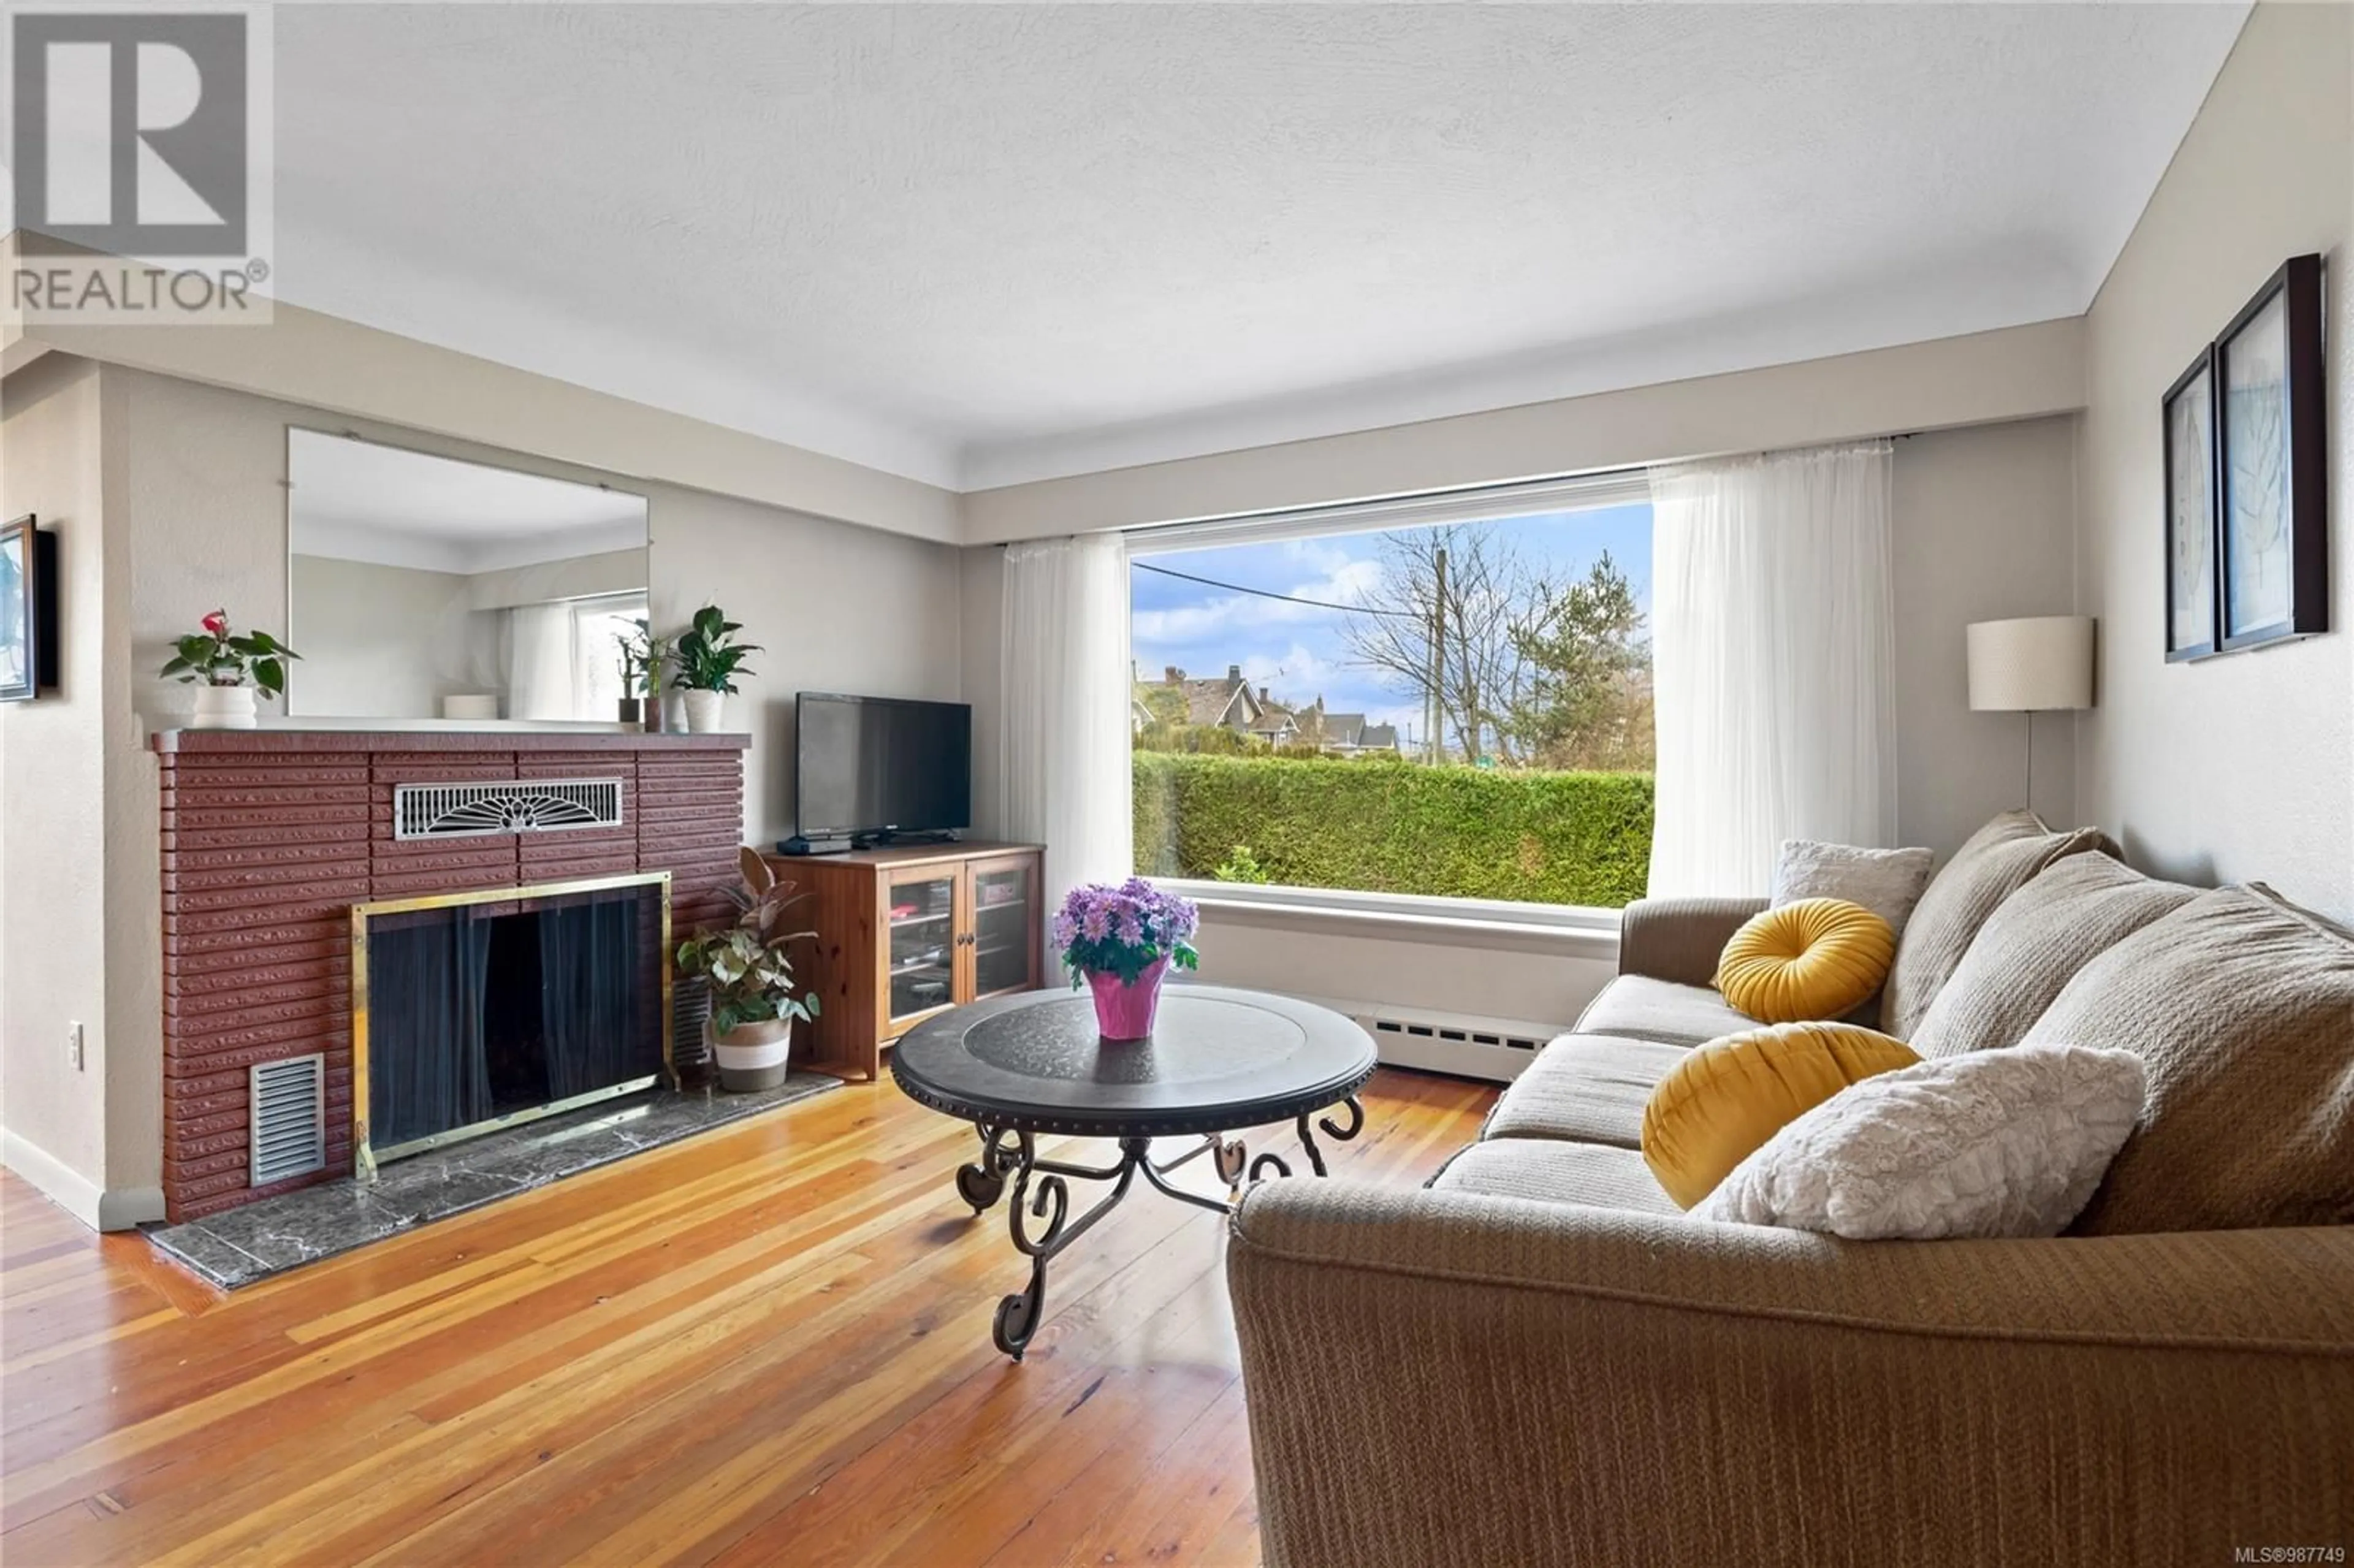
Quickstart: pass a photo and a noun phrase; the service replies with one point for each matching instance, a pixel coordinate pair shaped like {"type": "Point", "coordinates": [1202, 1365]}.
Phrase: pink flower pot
{"type": "Point", "coordinates": [1125, 1011]}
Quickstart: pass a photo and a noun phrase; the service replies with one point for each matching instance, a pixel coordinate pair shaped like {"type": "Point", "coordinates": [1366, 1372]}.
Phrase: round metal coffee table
{"type": "Point", "coordinates": [1219, 1060]}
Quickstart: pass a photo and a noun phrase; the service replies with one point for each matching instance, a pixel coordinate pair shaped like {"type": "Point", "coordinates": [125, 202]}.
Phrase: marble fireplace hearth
{"type": "Point", "coordinates": [259, 1240]}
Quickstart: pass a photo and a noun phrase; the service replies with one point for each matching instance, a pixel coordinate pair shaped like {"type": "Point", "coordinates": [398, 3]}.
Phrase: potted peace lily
{"type": "Point", "coordinates": [750, 978]}
{"type": "Point", "coordinates": [709, 659]}
{"type": "Point", "coordinates": [1124, 939]}
{"type": "Point", "coordinates": [227, 668]}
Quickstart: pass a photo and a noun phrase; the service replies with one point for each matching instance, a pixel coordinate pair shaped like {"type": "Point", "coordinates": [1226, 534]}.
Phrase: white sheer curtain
{"type": "Point", "coordinates": [543, 667]}
{"type": "Point", "coordinates": [1063, 757]}
{"type": "Point", "coordinates": [1772, 652]}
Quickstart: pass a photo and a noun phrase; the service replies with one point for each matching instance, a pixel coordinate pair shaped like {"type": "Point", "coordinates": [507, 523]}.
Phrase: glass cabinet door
{"type": "Point", "coordinates": [1005, 926]}
{"type": "Point", "coordinates": [923, 945]}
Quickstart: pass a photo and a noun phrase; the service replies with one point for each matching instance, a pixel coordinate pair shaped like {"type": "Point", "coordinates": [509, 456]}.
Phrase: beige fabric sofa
{"type": "Point", "coordinates": [1541, 1359]}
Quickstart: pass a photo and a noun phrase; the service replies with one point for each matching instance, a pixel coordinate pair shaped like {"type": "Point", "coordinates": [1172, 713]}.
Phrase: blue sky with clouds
{"type": "Point", "coordinates": [1299, 652]}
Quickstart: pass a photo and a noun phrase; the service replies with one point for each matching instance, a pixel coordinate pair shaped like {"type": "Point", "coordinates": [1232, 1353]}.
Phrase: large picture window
{"type": "Point", "coordinates": [1457, 710]}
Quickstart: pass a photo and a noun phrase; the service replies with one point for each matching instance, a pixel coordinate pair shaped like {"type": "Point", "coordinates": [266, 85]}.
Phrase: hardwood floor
{"type": "Point", "coordinates": [767, 1344]}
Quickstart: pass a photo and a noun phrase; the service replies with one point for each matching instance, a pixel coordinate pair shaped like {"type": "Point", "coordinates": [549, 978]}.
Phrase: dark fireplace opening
{"type": "Point", "coordinates": [478, 1013]}
{"type": "Point", "coordinates": [514, 1029]}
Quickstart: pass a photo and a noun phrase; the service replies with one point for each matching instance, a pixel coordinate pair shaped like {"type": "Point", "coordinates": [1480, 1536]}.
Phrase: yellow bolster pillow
{"type": "Point", "coordinates": [1719, 1105]}
{"type": "Point", "coordinates": [1819, 958]}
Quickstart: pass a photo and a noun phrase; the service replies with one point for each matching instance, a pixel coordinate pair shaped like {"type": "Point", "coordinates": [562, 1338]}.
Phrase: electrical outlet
{"type": "Point", "coordinates": [73, 1046]}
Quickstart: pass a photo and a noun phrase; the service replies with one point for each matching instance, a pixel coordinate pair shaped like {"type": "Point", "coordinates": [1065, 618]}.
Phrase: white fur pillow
{"type": "Point", "coordinates": [1886, 882]}
{"type": "Point", "coordinates": [2005, 1142]}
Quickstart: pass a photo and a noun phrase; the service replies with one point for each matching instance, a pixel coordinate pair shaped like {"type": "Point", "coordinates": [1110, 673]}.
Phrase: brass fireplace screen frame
{"type": "Point", "coordinates": [365, 1154]}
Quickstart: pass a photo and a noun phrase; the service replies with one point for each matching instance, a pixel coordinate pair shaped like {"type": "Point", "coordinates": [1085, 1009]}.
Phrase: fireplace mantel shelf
{"type": "Point", "coordinates": [281, 739]}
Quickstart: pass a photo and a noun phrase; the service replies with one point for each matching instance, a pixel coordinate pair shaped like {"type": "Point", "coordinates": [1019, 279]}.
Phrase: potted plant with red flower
{"type": "Point", "coordinates": [227, 668]}
{"type": "Point", "coordinates": [1124, 941]}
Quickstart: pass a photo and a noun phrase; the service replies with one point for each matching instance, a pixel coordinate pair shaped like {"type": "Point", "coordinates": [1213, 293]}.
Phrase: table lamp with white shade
{"type": "Point", "coordinates": [2042, 663]}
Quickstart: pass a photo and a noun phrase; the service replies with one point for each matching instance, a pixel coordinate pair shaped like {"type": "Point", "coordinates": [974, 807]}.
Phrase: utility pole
{"type": "Point", "coordinates": [1438, 659]}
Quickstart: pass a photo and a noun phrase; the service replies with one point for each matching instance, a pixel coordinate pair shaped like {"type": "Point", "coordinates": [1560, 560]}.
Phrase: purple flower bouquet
{"type": "Point", "coordinates": [1123, 940]}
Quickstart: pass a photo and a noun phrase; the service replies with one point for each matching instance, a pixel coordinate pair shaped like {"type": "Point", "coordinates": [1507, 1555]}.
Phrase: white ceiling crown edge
{"type": "Point", "coordinates": [774, 407]}
{"type": "Point", "coordinates": [1817, 329]}
{"type": "Point", "coordinates": [620, 362]}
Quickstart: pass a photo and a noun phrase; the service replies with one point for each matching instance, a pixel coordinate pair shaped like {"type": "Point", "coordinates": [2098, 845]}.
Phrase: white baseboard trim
{"type": "Point", "coordinates": [68, 1188]}
{"type": "Point", "coordinates": [77, 1195]}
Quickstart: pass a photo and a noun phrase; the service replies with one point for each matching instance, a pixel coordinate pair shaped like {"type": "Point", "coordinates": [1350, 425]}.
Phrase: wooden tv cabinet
{"type": "Point", "coordinates": [907, 932]}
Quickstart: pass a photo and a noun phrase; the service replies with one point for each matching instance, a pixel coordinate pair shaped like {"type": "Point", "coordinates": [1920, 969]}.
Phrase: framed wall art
{"type": "Point", "coordinates": [2189, 414]}
{"type": "Point", "coordinates": [28, 610]}
{"type": "Point", "coordinates": [2271, 552]}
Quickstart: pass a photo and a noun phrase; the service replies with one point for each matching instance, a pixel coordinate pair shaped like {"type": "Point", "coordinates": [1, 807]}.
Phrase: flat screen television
{"type": "Point", "coordinates": [879, 765]}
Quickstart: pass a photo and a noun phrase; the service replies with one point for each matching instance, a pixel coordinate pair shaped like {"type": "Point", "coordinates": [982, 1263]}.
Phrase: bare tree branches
{"type": "Point", "coordinates": [1526, 671]}
{"type": "Point", "coordinates": [1489, 596]}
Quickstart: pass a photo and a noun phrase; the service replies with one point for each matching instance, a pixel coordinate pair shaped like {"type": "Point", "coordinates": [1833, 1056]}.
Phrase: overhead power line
{"type": "Point", "coordinates": [1267, 593]}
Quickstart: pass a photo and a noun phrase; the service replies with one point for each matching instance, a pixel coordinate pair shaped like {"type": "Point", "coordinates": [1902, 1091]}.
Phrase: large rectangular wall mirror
{"type": "Point", "coordinates": [427, 587]}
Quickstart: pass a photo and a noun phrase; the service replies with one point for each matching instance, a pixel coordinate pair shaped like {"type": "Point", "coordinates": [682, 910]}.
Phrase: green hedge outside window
{"type": "Point", "coordinates": [1383, 826]}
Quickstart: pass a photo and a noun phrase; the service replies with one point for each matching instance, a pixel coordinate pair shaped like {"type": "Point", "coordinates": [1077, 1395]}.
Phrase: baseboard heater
{"type": "Point", "coordinates": [1466, 1044]}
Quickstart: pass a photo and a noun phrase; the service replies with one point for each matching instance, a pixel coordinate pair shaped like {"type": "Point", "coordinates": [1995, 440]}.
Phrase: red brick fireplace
{"type": "Point", "coordinates": [271, 836]}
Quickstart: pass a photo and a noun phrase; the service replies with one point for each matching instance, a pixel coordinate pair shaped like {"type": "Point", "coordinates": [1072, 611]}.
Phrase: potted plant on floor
{"type": "Point", "coordinates": [709, 659]}
{"type": "Point", "coordinates": [750, 978]}
{"type": "Point", "coordinates": [1124, 941]}
{"type": "Point", "coordinates": [226, 669]}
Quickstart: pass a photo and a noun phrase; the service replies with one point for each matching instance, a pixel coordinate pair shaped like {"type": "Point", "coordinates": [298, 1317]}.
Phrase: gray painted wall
{"type": "Point", "coordinates": [1985, 530]}
{"type": "Point", "coordinates": [2240, 767]}
{"type": "Point", "coordinates": [53, 754]}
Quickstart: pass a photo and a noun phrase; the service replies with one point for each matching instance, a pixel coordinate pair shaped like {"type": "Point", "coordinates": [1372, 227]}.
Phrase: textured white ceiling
{"type": "Point", "coordinates": [977, 244]}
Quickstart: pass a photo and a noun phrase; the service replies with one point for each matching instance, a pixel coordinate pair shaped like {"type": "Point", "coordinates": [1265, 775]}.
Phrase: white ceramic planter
{"type": "Point", "coordinates": [752, 1055]}
{"type": "Point", "coordinates": [224, 708]}
{"type": "Point", "coordinates": [705, 711]}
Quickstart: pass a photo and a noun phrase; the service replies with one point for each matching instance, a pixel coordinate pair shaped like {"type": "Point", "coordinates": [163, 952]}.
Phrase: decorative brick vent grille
{"type": "Point", "coordinates": [521, 806]}
{"type": "Point", "coordinates": [289, 1131]}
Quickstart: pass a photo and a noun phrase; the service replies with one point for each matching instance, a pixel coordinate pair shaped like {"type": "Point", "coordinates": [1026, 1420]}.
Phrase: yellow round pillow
{"type": "Point", "coordinates": [1720, 1104]}
{"type": "Point", "coordinates": [1819, 958]}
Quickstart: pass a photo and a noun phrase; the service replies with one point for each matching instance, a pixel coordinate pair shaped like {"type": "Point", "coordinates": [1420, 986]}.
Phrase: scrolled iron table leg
{"type": "Point", "coordinates": [1338, 1133]}
{"type": "Point", "coordinates": [1018, 1315]}
{"type": "Point", "coordinates": [982, 1182]}
{"type": "Point", "coordinates": [1153, 1176]}
{"type": "Point", "coordinates": [1040, 1219]}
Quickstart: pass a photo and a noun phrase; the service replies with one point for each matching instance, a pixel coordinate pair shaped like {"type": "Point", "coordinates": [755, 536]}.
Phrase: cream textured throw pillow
{"type": "Point", "coordinates": [2241, 1007]}
{"type": "Point", "coordinates": [2033, 944]}
{"type": "Point", "coordinates": [1996, 861]}
{"type": "Point", "coordinates": [1886, 882]}
{"type": "Point", "coordinates": [1993, 1144]}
